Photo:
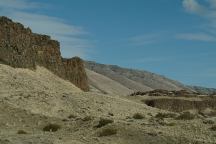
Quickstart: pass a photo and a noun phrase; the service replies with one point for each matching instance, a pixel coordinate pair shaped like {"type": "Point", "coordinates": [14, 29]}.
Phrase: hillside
{"type": "Point", "coordinates": [135, 80]}
{"type": "Point", "coordinates": [44, 99]}
{"type": "Point", "coordinates": [203, 90]}
{"type": "Point", "coordinates": [106, 85]}
{"type": "Point", "coordinates": [39, 107]}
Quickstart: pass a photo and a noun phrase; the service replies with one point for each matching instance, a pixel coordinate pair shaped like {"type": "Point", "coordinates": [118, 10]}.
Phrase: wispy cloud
{"type": "Point", "coordinates": [19, 4]}
{"type": "Point", "coordinates": [207, 11]}
{"type": "Point", "coordinates": [193, 6]}
{"type": "Point", "coordinates": [145, 39]}
{"type": "Point", "coordinates": [197, 37]}
{"type": "Point", "coordinates": [74, 40]}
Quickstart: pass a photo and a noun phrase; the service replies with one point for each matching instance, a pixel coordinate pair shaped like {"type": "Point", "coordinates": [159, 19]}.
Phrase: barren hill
{"type": "Point", "coordinates": [40, 104]}
{"type": "Point", "coordinates": [39, 107]}
{"type": "Point", "coordinates": [135, 80]}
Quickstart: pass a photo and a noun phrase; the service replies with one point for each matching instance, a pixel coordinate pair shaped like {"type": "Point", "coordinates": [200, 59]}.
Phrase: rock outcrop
{"type": "Point", "coordinates": [161, 92]}
{"type": "Point", "coordinates": [20, 48]}
{"type": "Point", "coordinates": [75, 67]}
{"type": "Point", "coordinates": [179, 105]}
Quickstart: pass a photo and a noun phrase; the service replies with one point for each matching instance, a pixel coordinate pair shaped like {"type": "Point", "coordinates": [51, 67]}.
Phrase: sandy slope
{"type": "Point", "coordinates": [32, 80]}
{"type": "Point", "coordinates": [106, 85]}
{"type": "Point", "coordinates": [29, 100]}
{"type": "Point", "coordinates": [136, 80]}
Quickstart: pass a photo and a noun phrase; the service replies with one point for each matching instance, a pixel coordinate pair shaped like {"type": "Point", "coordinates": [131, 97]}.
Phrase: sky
{"type": "Point", "coordinates": [174, 38]}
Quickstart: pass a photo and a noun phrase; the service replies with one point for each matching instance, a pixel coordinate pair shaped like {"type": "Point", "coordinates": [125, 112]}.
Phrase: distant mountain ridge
{"type": "Point", "coordinates": [135, 80]}
{"type": "Point", "coordinates": [204, 90]}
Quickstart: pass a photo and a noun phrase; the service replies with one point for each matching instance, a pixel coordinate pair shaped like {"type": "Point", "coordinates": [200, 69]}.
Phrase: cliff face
{"type": "Point", "coordinates": [75, 66]}
{"type": "Point", "coordinates": [16, 44]}
{"type": "Point", "coordinates": [21, 48]}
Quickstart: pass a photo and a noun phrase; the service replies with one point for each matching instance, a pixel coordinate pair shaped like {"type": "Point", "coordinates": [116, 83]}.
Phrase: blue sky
{"type": "Point", "coordinates": [175, 38]}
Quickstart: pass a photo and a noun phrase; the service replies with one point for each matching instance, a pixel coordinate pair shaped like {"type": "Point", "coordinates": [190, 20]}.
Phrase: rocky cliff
{"type": "Point", "coordinates": [75, 72]}
{"type": "Point", "coordinates": [21, 48]}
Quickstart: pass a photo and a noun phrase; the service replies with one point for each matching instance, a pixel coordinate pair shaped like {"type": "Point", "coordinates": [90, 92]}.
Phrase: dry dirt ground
{"type": "Point", "coordinates": [37, 107]}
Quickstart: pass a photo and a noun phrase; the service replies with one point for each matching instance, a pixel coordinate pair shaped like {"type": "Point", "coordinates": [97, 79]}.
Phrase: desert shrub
{"type": "Point", "coordinates": [103, 122]}
{"type": "Point", "coordinates": [87, 118]}
{"type": "Point", "coordinates": [138, 116]}
{"type": "Point", "coordinates": [150, 103]}
{"type": "Point", "coordinates": [152, 134]}
{"type": "Point", "coordinates": [186, 116]}
{"type": "Point", "coordinates": [165, 115]}
{"type": "Point", "coordinates": [207, 113]}
{"type": "Point", "coordinates": [107, 132]}
{"type": "Point", "coordinates": [51, 127]}
{"type": "Point", "coordinates": [170, 124]}
{"type": "Point", "coordinates": [213, 128]}
{"type": "Point", "coordinates": [71, 116]}
{"type": "Point", "coordinates": [208, 122]}
{"type": "Point", "coordinates": [110, 114]}
{"type": "Point", "coordinates": [65, 120]}
{"type": "Point", "coordinates": [21, 132]}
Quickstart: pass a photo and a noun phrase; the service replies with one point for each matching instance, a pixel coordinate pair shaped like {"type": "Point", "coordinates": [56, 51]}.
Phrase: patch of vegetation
{"type": "Point", "coordinates": [186, 116]}
{"type": "Point", "coordinates": [52, 127]}
{"type": "Point", "coordinates": [103, 122]}
{"type": "Point", "coordinates": [110, 114]}
{"type": "Point", "coordinates": [21, 132]}
{"type": "Point", "coordinates": [165, 115]}
{"type": "Point", "coordinates": [64, 120]}
{"type": "Point", "coordinates": [138, 116]}
{"type": "Point", "coordinates": [87, 118]}
{"type": "Point", "coordinates": [213, 128]}
{"type": "Point", "coordinates": [107, 132]}
{"type": "Point", "coordinates": [152, 134]}
{"type": "Point", "coordinates": [170, 124]}
{"type": "Point", "coordinates": [208, 122]}
{"type": "Point", "coordinates": [71, 116]}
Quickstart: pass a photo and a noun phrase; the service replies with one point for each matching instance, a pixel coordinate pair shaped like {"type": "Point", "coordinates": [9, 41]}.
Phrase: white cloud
{"type": "Point", "coordinates": [19, 4]}
{"type": "Point", "coordinates": [207, 11]}
{"type": "Point", "coordinates": [197, 37]}
{"type": "Point", "coordinates": [74, 40]}
{"type": "Point", "coordinates": [193, 6]}
{"type": "Point", "coordinates": [145, 39]}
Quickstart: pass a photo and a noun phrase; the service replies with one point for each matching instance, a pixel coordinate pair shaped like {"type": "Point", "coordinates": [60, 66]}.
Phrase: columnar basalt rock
{"type": "Point", "coordinates": [16, 44]}
{"type": "Point", "coordinates": [75, 72]}
{"type": "Point", "coordinates": [21, 48]}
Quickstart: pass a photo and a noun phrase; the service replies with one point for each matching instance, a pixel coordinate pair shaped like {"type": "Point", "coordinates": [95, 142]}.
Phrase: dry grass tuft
{"type": "Point", "coordinates": [138, 116]}
{"type": "Point", "coordinates": [103, 122]}
{"type": "Point", "coordinates": [186, 116]}
{"type": "Point", "coordinates": [107, 132]}
{"type": "Point", "coordinates": [52, 127]}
